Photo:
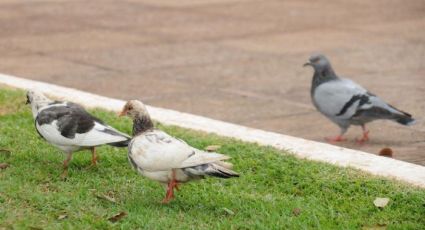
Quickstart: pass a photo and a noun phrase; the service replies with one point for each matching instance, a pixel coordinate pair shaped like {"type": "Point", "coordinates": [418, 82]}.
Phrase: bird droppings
{"type": "Point", "coordinates": [386, 152]}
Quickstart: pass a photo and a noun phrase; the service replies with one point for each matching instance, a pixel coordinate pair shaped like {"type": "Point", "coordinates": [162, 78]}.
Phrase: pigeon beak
{"type": "Point", "coordinates": [122, 113]}
{"type": "Point", "coordinates": [27, 101]}
{"type": "Point", "coordinates": [307, 64]}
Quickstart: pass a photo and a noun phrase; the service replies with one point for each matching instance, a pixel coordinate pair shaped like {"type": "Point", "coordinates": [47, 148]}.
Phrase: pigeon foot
{"type": "Point", "coordinates": [338, 138]}
{"type": "Point", "coordinates": [64, 174]}
{"type": "Point", "coordinates": [94, 157]}
{"type": "Point", "coordinates": [364, 138]}
{"type": "Point", "coordinates": [170, 190]}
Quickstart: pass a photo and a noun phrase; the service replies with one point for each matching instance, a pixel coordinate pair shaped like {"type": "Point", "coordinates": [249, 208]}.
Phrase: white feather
{"type": "Point", "coordinates": [93, 137]}
{"type": "Point", "coordinates": [157, 151]}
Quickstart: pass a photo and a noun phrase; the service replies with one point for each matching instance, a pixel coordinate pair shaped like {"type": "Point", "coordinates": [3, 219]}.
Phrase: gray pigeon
{"type": "Point", "coordinates": [346, 103]}
{"type": "Point", "coordinates": [69, 127]}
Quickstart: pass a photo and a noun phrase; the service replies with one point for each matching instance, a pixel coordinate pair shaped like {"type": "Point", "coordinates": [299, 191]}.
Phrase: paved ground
{"type": "Point", "coordinates": [233, 60]}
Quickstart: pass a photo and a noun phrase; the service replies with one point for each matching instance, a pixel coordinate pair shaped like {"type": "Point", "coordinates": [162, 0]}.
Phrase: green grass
{"type": "Point", "coordinates": [271, 186]}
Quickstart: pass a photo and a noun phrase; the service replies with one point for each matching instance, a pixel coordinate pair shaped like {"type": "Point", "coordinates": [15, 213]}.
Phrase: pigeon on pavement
{"type": "Point", "coordinates": [168, 160]}
{"type": "Point", "coordinates": [346, 103]}
{"type": "Point", "coordinates": [69, 127]}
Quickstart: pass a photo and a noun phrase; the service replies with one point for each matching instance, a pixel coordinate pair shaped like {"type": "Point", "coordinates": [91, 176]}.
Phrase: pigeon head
{"type": "Point", "coordinates": [134, 109]}
{"type": "Point", "coordinates": [37, 100]}
{"type": "Point", "coordinates": [319, 62]}
{"type": "Point", "coordinates": [137, 111]}
{"type": "Point", "coordinates": [323, 71]}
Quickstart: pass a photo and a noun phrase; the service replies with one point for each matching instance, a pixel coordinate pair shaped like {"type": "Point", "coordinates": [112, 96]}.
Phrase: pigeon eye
{"type": "Point", "coordinates": [130, 107]}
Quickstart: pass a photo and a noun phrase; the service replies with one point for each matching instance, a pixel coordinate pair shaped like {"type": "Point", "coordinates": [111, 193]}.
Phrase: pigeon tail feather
{"type": "Point", "coordinates": [221, 172]}
{"type": "Point", "coordinates": [215, 169]}
{"type": "Point", "coordinates": [120, 143]}
{"type": "Point", "coordinates": [403, 118]}
{"type": "Point", "coordinates": [406, 120]}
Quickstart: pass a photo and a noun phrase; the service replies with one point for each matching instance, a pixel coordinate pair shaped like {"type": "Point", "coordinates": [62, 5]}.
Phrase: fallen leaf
{"type": "Point", "coordinates": [296, 211]}
{"type": "Point", "coordinates": [4, 165]}
{"type": "Point", "coordinates": [228, 211]}
{"type": "Point", "coordinates": [381, 202]}
{"type": "Point", "coordinates": [5, 152]}
{"type": "Point", "coordinates": [117, 217]}
{"type": "Point", "coordinates": [376, 227]}
{"type": "Point", "coordinates": [35, 228]}
{"type": "Point", "coordinates": [106, 197]}
{"type": "Point", "coordinates": [386, 152]}
{"type": "Point", "coordinates": [212, 148]}
{"type": "Point", "coordinates": [63, 216]}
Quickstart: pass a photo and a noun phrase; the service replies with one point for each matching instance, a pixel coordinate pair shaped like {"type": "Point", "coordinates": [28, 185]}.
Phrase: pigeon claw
{"type": "Point", "coordinates": [364, 138]}
{"type": "Point", "coordinates": [64, 175]}
{"type": "Point", "coordinates": [338, 138]}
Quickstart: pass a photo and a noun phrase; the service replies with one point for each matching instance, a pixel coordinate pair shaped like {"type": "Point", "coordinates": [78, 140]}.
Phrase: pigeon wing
{"type": "Point", "coordinates": [340, 98]}
{"type": "Point", "coordinates": [158, 151]}
{"type": "Point", "coordinates": [71, 124]}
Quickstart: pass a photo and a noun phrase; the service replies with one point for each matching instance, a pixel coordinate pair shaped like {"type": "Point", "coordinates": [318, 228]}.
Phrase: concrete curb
{"type": "Point", "coordinates": [381, 166]}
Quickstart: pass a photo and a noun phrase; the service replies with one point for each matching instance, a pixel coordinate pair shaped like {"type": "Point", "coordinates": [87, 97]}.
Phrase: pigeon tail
{"type": "Point", "coordinates": [120, 144]}
{"type": "Point", "coordinates": [405, 120]}
{"type": "Point", "coordinates": [222, 172]}
{"type": "Point", "coordinates": [216, 169]}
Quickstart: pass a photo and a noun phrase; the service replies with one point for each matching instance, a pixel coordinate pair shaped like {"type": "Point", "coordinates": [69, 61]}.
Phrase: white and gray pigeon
{"type": "Point", "coordinates": [168, 160]}
{"type": "Point", "coordinates": [347, 103]}
{"type": "Point", "coordinates": [69, 127]}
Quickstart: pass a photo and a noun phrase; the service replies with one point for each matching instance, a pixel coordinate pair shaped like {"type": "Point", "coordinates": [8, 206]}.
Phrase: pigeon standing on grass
{"type": "Point", "coordinates": [346, 103]}
{"type": "Point", "coordinates": [69, 127]}
{"type": "Point", "coordinates": [163, 158]}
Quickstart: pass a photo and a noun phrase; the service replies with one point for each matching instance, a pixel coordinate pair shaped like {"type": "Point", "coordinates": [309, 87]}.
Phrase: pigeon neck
{"type": "Point", "coordinates": [322, 76]}
{"type": "Point", "coordinates": [141, 124]}
{"type": "Point", "coordinates": [35, 106]}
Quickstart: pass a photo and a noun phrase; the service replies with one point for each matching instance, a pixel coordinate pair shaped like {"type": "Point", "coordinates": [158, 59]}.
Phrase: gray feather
{"type": "Point", "coordinates": [345, 102]}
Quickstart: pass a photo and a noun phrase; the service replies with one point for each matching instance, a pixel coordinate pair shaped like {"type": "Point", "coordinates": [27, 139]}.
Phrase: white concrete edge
{"type": "Point", "coordinates": [377, 165]}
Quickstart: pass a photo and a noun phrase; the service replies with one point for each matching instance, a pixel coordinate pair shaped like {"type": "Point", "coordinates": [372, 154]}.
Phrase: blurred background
{"type": "Point", "coordinates": [234, 60]}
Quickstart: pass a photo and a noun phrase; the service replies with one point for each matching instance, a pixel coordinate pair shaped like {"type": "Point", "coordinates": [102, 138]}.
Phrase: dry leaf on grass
{"type": "Point", "coordinates": [376, 227]}
{"type": "Point", "coordinates": [117, 217]}
{"type": "Point", "coordinates": [4, 165]}
{"type": "Point", "coordinates": [106, 197]}
{"type": "Point", "coordinates": [296, 211]}
{"type": "Point", "coordinates": [212, 148]}
{"type": "Point", "coordinates": [5, 152]}
{"type": "Point", "coordinates": [381, 202]}
{"type": "Point", "coordinates": [229, 212]}
{"type": "Point", "coordinates": [63, 216]}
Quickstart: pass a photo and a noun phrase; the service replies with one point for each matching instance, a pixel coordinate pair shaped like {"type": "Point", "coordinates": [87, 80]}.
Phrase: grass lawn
{"type": "Point", "coordinates": [275, 190]}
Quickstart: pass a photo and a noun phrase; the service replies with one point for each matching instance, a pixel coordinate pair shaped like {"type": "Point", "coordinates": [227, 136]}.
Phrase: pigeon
{"type": "Point", "coordinates": [69, 127]}
{"type": "Point", "coordinates": [347, 103]}
{"type": "Point", "coordinates": [168, 160]}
